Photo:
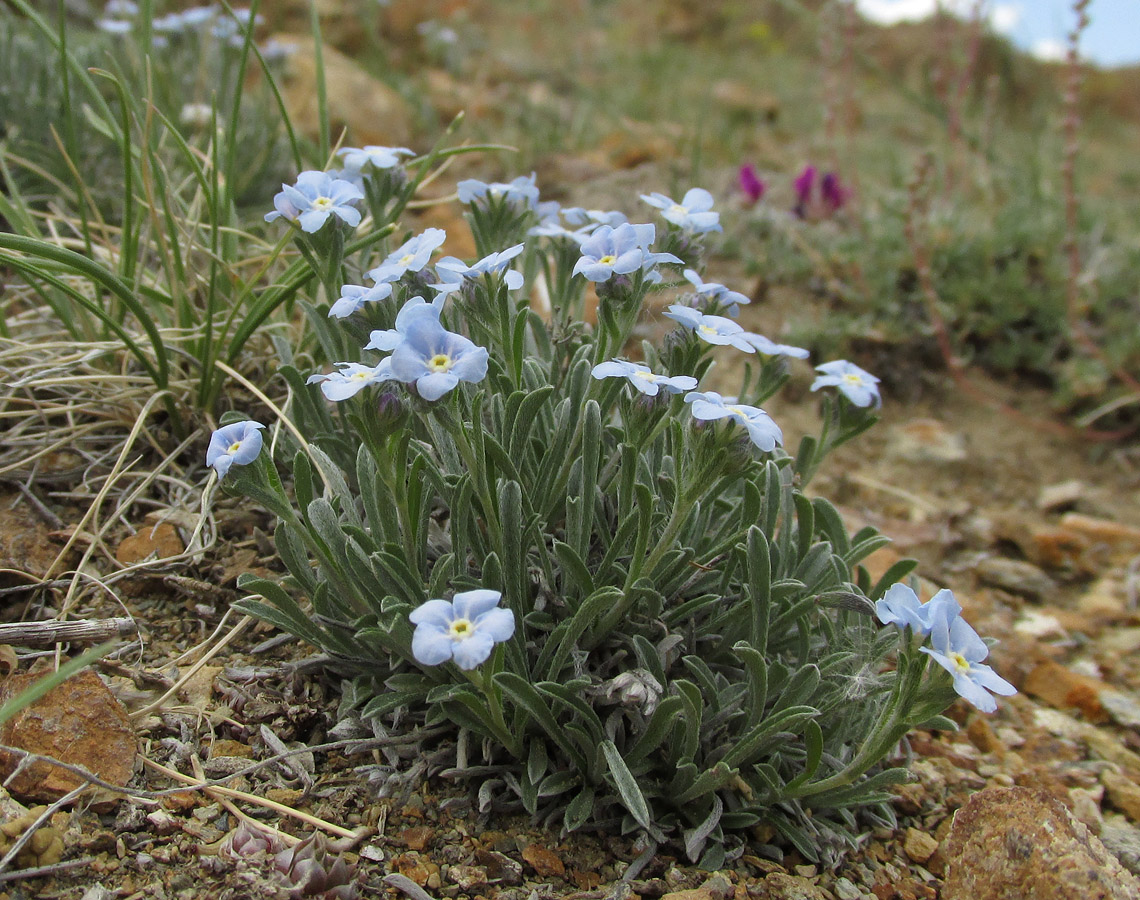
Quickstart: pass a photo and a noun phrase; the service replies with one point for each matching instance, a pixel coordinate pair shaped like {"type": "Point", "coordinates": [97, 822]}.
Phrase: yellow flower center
{"type": "Point", "coordinates": [441, 362]}
{"type": "Point", "coordinates": [705, 329]}
{"type": "Point", "coordinates": [677, 209]}
{"type": "Point", "coordinates": [960, 662]}
{"type": "Point", "coordinates": [608, 260]}
{"type": "Point", "coordinates": [852, 378]}
{"type": "Point", "coordinates": [323, 203]}
{"type": "Point", "coordinates": [461, 629]}
{"type": "Point", "coordinates": [647, 376]}
{"type": "Point", "coordinates": [359, 376]}
{"type": "Point", "coordinates": [406, 258]}
{"type": "Point", "coordinates": [234, 447]}
{"type": "Point", "coordinates": [737, 411]}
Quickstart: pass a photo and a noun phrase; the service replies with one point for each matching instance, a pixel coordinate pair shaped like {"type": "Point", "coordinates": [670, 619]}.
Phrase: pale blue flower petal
{"type": "Point", "coordinates": [498, 623]}
{"type": "Point", "coordinates": [472, 604]}
{"type": "Point", "coordinates": [431, 644]}
{"type": "Point", "coordinates": [236, 444]}
{"type": "Point", "coordinates": [473, 651]}
{"type": "Point", "coordinates": [435, 384]}
{"type": "Point", "coordinates": [312, 220]}
{"type": "Point", "coordinates": [433, 612]}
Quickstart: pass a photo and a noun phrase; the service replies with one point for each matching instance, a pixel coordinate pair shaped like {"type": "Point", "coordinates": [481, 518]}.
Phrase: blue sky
{"type": "Point", "coordinates": [1039, 26]}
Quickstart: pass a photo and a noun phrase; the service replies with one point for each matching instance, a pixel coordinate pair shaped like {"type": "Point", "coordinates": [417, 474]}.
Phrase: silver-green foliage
{"type": "Point", "coordinates": [695, 653]}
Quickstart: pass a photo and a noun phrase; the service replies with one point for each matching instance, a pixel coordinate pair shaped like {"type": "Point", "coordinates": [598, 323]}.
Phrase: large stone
{"type": "Point", "coordinates": [77, 722]}
{"type": "Point", "coordinates": [372, 112]}
{"type": "Point", "coordinates": [1017, 843]}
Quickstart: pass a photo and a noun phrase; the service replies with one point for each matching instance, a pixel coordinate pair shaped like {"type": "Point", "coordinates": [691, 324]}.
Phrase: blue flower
{"type": "Point", "coordinates": [714, 293]}
{"type": "Point", "coordinates": [771, 348]}
{"type": "Point", "coordinates": [552, 228]}
{"type": "Point", "coordinates": [275, 49]}
{"type": "Point", "coordinates": [357, 158]}
{"type": "Point", "coordinates": [762, 431]}
{"type": "Point", "coordinates": [411, 256]}
{"type": "Point", "coordinates": [858, 386]}
{"type": "Point", "coordinates": [315, 197]}
{"type": "Point", "coordinates": [168, 23]}
{"type": "Point", "coordinates": [115, 26]}
{"type": "Point", "coordinates": [197, 15]}
{"type": "Point", "coordinates": [715, 329]}
{"type": "Point", "coordinates": [959, 650]}
{"type": "Point", "coordinates": [392, 338]}
{"type": "Point", "coordinates": [650, 260]}
{"type": "Point", "coordinates": [901, 607]}
{"type": "Point", "coordinates": [550, 224]}
{"type": "Point", "coordinates": [693, 213]}
{"type": "Point", "coordinates": [642, 378]}
{"type": "Point", "coordinates": [520, 193]}
{"type": "Point", "coordinates": [236, 444]}
{"type": "Point", "coordinates": [492, 264]}
{"type": "Point", "coordinates": [354, 296]}
{"type": "Point", "coordinates": [610, 251]}
{"type": "Point", "coordinates": [435, 359]}
{"type": "Point", "coordinates": [352, 379]}
{"type": "Point", "coordinates": [592, 218]}
{"type": "Point", "coordinates": [464, 630]}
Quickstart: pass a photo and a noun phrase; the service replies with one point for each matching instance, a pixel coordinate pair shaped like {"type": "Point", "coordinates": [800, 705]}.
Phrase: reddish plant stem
{"type": "Point", "coordinates": [1075, 309]}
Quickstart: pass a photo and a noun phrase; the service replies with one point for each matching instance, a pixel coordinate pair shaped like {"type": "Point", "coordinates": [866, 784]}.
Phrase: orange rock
{"type": "Point", "coordinates": [1063, 688]}
{"type": "Point", "coordinates": [158, 542]}
{"type": "Point", "coordinates": [1059, 548]}
{"type": "Point", "coordinates": [982, 736]}
{"type": "Point", "coordinates": [419, 870]}
{"type": "Point", "coordinates": [919, 845]}
{"type": "Point", "coordinates": [545, 862]}
{"type": "Point", "coordinates": [585, 881]}
{"type": "Point", "coordinates": [417, 838]}
{"type": "Point", "coordinates": [78, 722]}
{"type": "Point", "coordinates": [1123, 540]}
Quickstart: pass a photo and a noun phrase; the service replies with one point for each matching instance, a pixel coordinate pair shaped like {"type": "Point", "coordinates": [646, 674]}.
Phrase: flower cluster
{"type": "Point", "coordinates": [822, 202]}
{"type": "Point", "coordinates": [693, 214]}
{"type": "Point", "coordinates": [623, 250]}
{"type": "Point", "coordinates": [521, 193]}
{"type": "Point", "coordinates": [712, 295]}
{"type": "Point", "coordinates": [314, 198]}
{"type": "Point", "coordinates": [857, 385]}
{"type": "Point", "coordinates": [424, 353]}
{"type": "Point", "coordinates": [355, 159]}
{"type": "Point", "coordinates": [762, 431]}
{"type": "Point", "coordinates": [605, 562]}
{"type": "Point", "coordinates": [643, 378]}
{"type": "Point", "coordinates": [956, 647]}
{"type": "Point", "coordinates": [816, 197]}
{"type": "Point", "coordinates": [751, 184]}
{"type": "Point", "coordinates": [120, 16]}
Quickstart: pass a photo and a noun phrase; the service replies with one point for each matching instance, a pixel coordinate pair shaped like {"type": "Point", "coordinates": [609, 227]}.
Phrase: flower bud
{"type": "Point", "coordinates": [636, 688]}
